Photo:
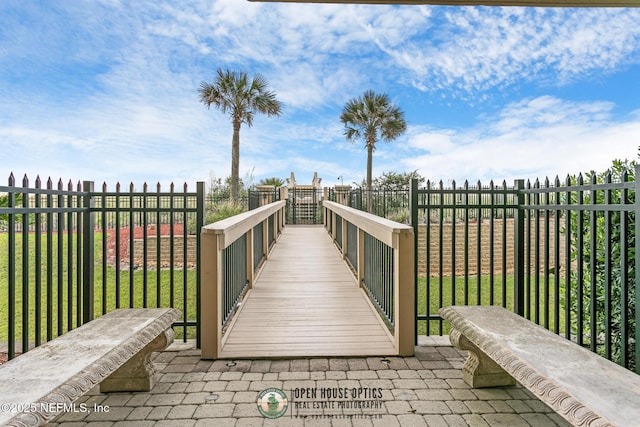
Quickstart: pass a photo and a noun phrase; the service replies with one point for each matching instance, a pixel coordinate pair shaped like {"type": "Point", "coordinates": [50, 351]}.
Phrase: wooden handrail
{"type": "Point", "coordinates": [215, 238]}
{"type": "Point", "coordinates": [400, 238]}
{"type": "Point", "coordinates": [381, 228]}
{"type": "Point", "coordinates": [233, 227]}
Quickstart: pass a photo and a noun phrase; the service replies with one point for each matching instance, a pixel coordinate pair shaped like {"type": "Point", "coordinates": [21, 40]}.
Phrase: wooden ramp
{"type": "Point", "coordinates": [306, 303]}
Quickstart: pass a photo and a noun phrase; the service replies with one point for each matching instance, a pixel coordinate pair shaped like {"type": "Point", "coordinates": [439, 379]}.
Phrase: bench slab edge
{"type": "Point", "coordinates": [90, 377]}
{"type": "Point", "coordinates": [545, 389]}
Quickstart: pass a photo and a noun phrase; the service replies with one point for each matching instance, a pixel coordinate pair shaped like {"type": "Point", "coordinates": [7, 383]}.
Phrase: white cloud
{"type": "Point", "coordinates": [434, 142]}
{"type": "Point", "coordinates": [109, 89]}
{"type": "Point", "coordinates": [551, 142]}
{"type": "Point", "coordinates": [479, 48]}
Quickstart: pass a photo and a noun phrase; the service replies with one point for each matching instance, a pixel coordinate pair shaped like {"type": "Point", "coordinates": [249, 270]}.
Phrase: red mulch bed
{"type": "Point", "coordinates": [138, 233]}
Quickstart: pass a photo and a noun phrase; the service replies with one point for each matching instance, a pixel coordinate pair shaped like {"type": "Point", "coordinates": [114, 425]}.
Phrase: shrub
{"type": "Point", "coordinates": [620, 171]}
{"type": "Point", "coordinates": [222, 211]}
{"type": "Point", "coordinates": [216, 212]}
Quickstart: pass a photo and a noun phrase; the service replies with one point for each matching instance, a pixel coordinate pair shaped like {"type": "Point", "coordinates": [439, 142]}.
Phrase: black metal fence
{"type": "Point", "coordinates": [71, 253]}
{"type": "Point", "coordinates": [258, 247]}
{"type": "Point", "coordinates": [378, 275]}
{"type": "Point", "coordinates": [257, 198]}
{"type": "Point", "coordinates": [561, 254]}
{"type": "Point", "coordinates": [387, 203]}
{"type": "Point", "coordinates": [338, 226]}
{"type": "Point", "coordinates": [234, 273]}
{"type": "Point", "coordinates": [352, 245]}
{"type": "Point", "coordinates": [304, 206]}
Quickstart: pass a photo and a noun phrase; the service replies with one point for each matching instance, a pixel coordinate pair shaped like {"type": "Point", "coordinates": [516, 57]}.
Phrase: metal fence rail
{"type": "Point", "coordinates": [258, 247]}
{"type": "Point", "coordinates": [459, 227]}
{"type": "Point", "coordinates": [271, 227]}
{"type": "Point", "coordinates": [387, 203]}
{"type": "Point", "coordinates": [378, 275]}
{"type": "Point", "coordinates": [149, 249]}
{"type": "Point", "coordinates": [338, 223]}
{"type": "Point", "coordinates": [229, 267]}
{"type": "Point", "coordinates": [304, 206]}
{"type": "Point", "coordinates": [71, 254]}
{"type": "Point", "coordinates": [587, 292]}
{"type": "Point", "coordinates": [352, 245]}
{"type": "Point", "coordinates": [234, 273]}
{"type": "Point", "coordinates": [561, 254]}
{"type": "Point", "coordinates": [382, 255]}
{"type": "Point", "coordinates": [56, 215]}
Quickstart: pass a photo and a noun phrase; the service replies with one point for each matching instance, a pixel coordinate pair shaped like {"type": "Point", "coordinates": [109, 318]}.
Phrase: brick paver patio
{"type": "Point", "coordinates": [425, 390]}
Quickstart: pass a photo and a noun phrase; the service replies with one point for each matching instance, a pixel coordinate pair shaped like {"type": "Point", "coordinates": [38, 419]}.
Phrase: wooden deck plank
{"type": "Point", "coordinates": [305, 303]}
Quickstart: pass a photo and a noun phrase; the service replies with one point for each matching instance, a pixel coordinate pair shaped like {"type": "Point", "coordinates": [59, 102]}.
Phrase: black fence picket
{"type": "Point", "coordinates": [68, 249]}
{"type": "Point", "coordinates": [561, 255]}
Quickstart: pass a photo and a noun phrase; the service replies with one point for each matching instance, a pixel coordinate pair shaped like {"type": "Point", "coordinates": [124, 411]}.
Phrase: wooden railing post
{"type": "Point", "coordinates": [404, 289]}
{"type": "Point", "coordinates": [401, 239]}
{"type": "Point", "coordinates": [214, 239]}
{"type": "Point", "coordinates": [211, 292]}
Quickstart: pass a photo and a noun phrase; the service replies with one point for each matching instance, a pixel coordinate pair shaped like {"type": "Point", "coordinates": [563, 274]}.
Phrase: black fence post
{"type": "Point", "coordinates": [88, 226]}
{"type": "Point", "coordinates": [11, 222]}
{"type": "Point", "coordinates": [519, 265]}
{"type": "Point", "coordinates": [413, 217]}
{"type": "Point", "coordinates": [636, 205]}
{"type": "Point", "coordinates": [199, 225]}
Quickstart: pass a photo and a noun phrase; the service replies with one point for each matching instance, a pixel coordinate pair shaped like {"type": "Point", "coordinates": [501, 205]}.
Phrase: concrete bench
{"type": "Point", "coordinates": [113, 350]}
{"type": "Point", "coordinates": [584, 388]}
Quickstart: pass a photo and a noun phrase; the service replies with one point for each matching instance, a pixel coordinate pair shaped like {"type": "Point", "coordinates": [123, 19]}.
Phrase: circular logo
{"type": "Point", "coordinates": [272, 403]}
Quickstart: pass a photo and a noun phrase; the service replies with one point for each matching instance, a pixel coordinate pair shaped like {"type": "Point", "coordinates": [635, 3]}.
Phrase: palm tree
{"type": "Point", "coordinates": [276, 182]}
{"type": "Point", "coordinates": [370, 117]}
{"type": "Point", "coordinates": [235, 93]}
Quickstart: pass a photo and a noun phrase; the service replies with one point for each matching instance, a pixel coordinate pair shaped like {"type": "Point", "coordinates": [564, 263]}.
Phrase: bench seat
{"type": "Point", "coordinates": [113, 350]}
{"type": "Point", "coordinates": [583, 387]}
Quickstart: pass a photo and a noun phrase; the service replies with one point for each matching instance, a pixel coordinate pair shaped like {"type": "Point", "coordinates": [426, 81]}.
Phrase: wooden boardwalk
{"type": "Point", "coordinates": [305, 303]}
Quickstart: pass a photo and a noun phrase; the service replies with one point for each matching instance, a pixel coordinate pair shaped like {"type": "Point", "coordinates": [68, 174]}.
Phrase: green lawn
{"type": "Point", "coordinates": [167, 289]}
{"type": "Point", "coordinates": [68, 305]}
{"type": "Point", "coordinates": [442, 298]}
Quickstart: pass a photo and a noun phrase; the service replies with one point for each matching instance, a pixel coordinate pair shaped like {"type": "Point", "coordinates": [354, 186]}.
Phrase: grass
{"type": "Point", "coordinates": [171, 292]}
{"type": "Point", "coordinates": [64, 289]}
{"type": "Point", "coordinates": [442, 291]}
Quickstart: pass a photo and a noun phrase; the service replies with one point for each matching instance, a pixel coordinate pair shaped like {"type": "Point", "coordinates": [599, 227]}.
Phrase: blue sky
{"type": "Point", "coordinates": [106, 90]}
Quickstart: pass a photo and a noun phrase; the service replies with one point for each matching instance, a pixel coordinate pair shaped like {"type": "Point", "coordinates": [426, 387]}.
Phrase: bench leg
{"type": "Point", "coordinates": [138, 374]}
{"type": "Point", "coordinates": [479, 370]}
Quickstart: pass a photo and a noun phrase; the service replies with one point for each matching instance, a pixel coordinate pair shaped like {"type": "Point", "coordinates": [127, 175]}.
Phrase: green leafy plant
{"type": "Point", "coordinates": [217, 212]}
{"type": "Point", "coordinates": [608, 246]}
{"type": "Point", "coordinates": [222, 211]}
{"type": "Point", "coordinates": [4, 218]}
{"type": "Point", "coordinates": [276, 182]}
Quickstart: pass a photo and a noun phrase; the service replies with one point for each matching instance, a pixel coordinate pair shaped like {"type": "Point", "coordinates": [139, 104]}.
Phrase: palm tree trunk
{"type": "Point", "coordinates": [369, 167]}
{"type": "Point", "coordinates": [235, 161]}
